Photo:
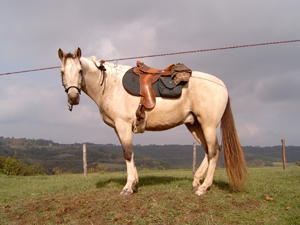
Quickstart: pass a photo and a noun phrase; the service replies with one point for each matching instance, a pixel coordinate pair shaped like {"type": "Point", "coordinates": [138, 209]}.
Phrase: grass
{"type": "Point", "coordinates": [164, 197]}
{"type": "Point", "coordinates": [288, 164]}
{"type": "Point", "coordinates": [113, 166]}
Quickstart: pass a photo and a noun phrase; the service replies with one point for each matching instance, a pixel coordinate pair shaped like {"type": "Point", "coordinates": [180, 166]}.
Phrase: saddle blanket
{"type": "Point", "coordinates": [164, 87]}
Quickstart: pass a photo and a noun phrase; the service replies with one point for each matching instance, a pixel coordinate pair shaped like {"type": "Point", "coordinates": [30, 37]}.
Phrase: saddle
{"type": "Point", "coordinates": [148, 76]}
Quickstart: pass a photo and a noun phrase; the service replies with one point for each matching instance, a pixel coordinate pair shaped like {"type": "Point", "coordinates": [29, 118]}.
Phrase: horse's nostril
{"type": "Point", "coordinates": [73, 98]}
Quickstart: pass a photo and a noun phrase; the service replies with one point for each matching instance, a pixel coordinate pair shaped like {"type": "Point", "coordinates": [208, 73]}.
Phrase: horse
{"type": "Point", "coordinates": [202, 106]}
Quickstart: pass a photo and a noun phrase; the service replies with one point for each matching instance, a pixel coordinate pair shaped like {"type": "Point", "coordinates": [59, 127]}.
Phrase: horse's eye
{"type": "Point", "coordinates": [80, 71]}
{"type": "Point", "coordinates": [62, 73]}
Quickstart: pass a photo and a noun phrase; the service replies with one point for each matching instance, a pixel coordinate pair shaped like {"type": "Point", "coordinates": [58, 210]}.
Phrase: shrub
{"type": "Point", "coordinates": [59, 171]}
{"type": "Point", "coordinates": [15, 166]}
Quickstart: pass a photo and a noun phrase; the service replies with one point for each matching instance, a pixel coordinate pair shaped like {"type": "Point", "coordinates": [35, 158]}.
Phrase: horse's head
{"type": "Point", "coordinates": [71, 75]}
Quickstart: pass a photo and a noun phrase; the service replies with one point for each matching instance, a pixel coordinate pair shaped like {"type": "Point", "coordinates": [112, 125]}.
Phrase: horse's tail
{"type": "Point", "coordinates": [233, 153]}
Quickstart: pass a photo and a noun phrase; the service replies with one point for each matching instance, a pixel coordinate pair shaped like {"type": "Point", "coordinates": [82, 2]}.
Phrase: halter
{"type": "Point", "coordinates": [78, 88]}
{"type": "Point", "coordinates": [100, 67]}
{"type": "Point", "coordinates": [70, 107]}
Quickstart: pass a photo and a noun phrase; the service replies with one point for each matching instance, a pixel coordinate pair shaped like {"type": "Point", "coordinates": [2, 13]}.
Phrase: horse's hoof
{"type": "Point", "coordinates": [199, 192]}
{"type": "Point", "coordinates": [195, 188]}
{"type": "Point", "coordinates": [125, 193]}
{"type": "Point", "coordinates": [134, 189]}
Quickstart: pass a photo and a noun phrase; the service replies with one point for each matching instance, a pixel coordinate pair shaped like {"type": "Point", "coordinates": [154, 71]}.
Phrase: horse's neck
{"type": "Point", "coordinates": [97, 88]}
{"type": "Point", "coordinates": [92, 80]}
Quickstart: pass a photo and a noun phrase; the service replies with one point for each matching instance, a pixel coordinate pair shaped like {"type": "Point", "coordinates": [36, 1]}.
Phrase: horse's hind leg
{"type": "Point", "coordinates": [213, 147]}
{"type": "Point", "coordinates": [199, 175]}
{"type": "Point", "coordinates": [197, 132]}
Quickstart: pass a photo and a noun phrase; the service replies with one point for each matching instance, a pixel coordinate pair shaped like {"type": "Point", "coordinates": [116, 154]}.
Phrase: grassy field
{"type": "Point", "coordinates": [164, 197]}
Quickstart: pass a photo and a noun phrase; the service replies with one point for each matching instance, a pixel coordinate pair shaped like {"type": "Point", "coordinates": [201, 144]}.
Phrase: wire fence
{"type": "Point", "coordinates": [166, 54]}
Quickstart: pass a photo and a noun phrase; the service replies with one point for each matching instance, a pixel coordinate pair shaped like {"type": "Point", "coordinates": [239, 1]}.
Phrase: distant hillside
{"type": "Point", "coordinates": [69, 157]}
{"type": "Point", "coordinates": [181, 156]}
{"type": "Point", "coordinates": [292, 152]}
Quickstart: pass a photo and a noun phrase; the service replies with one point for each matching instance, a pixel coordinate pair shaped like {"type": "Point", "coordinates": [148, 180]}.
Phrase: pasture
{"type": "Point", "coordinates": [164, 197]}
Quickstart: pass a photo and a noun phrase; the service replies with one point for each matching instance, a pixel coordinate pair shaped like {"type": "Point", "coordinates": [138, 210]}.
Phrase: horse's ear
{"type": "Point", "coordinates": [78, 53]}
{"type": "Point", "coordinates": [61, 54]}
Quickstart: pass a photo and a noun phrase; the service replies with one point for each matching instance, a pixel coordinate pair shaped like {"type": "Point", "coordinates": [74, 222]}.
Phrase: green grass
{"type": "Point", "coordinates": [113, 166]}
{"type": "Point", "coordinates": [288, 164]}
{"type": "Point", "coordinates": [164, 197]}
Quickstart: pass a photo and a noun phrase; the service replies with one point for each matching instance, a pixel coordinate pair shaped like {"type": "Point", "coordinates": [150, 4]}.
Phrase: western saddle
{"type": "Point", "coordinates": [148, 76]}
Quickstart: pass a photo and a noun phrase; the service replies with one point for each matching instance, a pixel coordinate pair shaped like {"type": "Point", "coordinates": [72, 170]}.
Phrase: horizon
{"type": "Point", "coordinates": [80, 143]}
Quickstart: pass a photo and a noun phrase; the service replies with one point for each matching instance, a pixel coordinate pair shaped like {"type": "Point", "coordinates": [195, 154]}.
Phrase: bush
{"type": "Point", "coordinates": [269, 163]}
{"type": "Point", "coordinates": [15, 166]}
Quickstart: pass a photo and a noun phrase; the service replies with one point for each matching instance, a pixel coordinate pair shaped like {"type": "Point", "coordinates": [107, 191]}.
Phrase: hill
{"type": "Point", "coordinates": [68, 158]}
{"type": "Point", "coordinates": [54, 157]}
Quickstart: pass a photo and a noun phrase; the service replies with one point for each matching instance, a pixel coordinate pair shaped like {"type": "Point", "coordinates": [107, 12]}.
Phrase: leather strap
{"type": "Point", "coordinates": [147, 69]}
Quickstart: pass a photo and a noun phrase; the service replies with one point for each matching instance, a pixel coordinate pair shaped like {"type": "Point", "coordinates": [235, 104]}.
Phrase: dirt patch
{"type": "Point", "coordinates": [97, 207]}
{"type": "Point", "coordinates": [247, 204]}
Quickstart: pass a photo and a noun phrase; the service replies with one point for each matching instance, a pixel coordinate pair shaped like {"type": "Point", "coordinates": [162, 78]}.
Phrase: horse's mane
{"type": "Point", "coordinates": [115, 70]}
{"type": "Point", "coordinates": [112, 69]}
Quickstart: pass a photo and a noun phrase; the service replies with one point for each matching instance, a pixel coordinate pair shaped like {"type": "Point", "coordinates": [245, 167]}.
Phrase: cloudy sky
{"type": "Point", "coordinates": [263, 82]}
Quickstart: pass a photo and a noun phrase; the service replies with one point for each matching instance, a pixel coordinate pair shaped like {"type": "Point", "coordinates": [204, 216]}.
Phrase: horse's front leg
{"type": "Point", "coordinates": [124, 133]}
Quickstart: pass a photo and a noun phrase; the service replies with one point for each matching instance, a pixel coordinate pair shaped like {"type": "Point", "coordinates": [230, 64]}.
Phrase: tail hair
{"type": "Point", "coordinates": [233, 153]}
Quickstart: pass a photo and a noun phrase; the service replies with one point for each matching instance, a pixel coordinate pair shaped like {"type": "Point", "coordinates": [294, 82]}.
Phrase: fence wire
{"type": "Point", "coordinates": [166, 54]}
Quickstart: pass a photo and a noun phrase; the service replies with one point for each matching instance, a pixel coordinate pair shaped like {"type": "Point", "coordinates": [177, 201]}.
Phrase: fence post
{"type": "Point", "coordinates": [84, 160]}
{"type": "Point", "coordinates": [194, 158]}
{"type": "Point", "coordinates": [283, 153]}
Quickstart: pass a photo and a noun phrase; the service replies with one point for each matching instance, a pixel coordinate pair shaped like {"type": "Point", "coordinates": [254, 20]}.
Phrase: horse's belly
{"type": "Point", "coordinates": [168, 114]}
{"type": "Point", "coordinates": [169, 123]}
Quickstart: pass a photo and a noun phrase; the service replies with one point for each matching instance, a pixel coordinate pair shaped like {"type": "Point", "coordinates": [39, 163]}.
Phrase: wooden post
{"type": "Point", "coordinates": [84, 161]}
{"type": "Point", "coordinates": [194, 158]}
{"type": "Point", "coordinates": [283, 153]}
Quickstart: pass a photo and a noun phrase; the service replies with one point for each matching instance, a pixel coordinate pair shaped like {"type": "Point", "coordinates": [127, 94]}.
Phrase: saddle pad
{"type": "Point", "coordinates": [132, 85]}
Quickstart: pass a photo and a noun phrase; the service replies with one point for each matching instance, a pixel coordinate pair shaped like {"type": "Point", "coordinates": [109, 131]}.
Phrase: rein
{"type": "Point", "coordinates": [102, 68]}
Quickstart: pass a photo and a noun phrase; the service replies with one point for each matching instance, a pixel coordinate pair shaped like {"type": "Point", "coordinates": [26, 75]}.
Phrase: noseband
{"type": "Point", "coordinates": [78, 88]}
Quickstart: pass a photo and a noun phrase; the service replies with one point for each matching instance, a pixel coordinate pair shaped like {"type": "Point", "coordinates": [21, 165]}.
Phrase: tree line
{"type": "Point", "coordinates": [57, 158]}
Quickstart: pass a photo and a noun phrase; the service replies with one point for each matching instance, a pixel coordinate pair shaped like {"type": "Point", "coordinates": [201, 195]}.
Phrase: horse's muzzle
{"type": "Point", "coordinates": [73, 96]}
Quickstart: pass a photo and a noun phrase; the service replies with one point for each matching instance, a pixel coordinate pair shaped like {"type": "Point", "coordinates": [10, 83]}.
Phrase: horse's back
{"type": "Point", "coordinates": [206, 79]}
{"type": "Point", "coordinates": [208, 96]}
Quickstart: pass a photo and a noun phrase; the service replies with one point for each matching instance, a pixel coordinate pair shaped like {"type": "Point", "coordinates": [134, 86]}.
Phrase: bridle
{"type": "Point", "coordinates": [67, 89]}
{"type": "Point", "coordinates": [100, 67]}
{"type": "Point", "coordinates": [70, 106]}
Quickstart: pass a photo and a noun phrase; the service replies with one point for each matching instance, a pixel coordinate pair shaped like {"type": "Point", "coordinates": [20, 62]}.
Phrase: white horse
{"type": "Point", "coordinates": [203, 104]}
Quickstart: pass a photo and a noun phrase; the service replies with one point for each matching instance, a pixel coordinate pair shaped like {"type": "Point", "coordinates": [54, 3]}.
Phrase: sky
{"type": "Point", "coordinates": [263, 82]}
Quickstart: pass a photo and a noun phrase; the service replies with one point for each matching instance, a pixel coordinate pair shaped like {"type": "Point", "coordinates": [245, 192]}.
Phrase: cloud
{"type": "Point", "coordinates": [262, 81]}
{"type": "Point", "coordinates": [280, 89]}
